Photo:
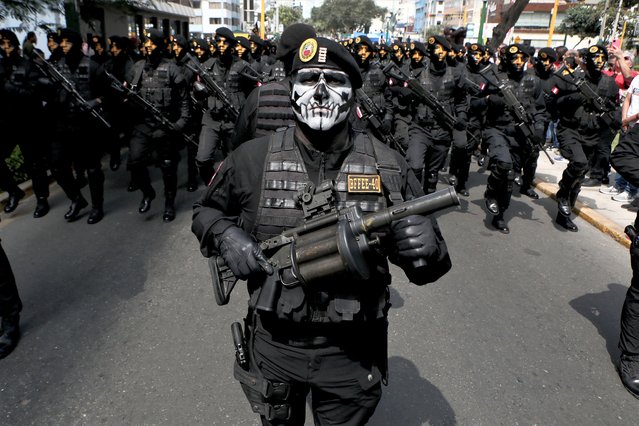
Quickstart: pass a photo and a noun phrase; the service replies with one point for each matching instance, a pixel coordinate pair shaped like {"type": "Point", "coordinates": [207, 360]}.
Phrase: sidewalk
{"type": "Point", "coordinates": [600, 210]}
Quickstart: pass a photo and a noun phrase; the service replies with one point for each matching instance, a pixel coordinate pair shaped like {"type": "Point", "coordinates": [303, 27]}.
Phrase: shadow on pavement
{"type": "Point", "coordinates": [603, 310]}
{"type": "Point", "coordinates": [411, 400]}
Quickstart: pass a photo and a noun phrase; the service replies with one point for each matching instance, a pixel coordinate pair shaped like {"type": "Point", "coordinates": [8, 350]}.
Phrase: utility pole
{"type": "Point", "coordinates": [482, 18]}
{"type": "Point", "coordinates": [262, 35]}
{"type": "Point", "coordinates": [553, 18]}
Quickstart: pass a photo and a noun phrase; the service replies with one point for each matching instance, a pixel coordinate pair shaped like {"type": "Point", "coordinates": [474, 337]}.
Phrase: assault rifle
{"type": "Point", "coordinates": [147, 106]}
{"type": "Point", "coordinates": [56, 76]}
{"type": "Point", "coordinates": [375, 115]}
{"type": "Point", "coordinates": [604, 107]}
{"type": "Point", "coordinates": [525, 122]}
{"type": "Point", "coordinates": [393, 71]}
{"type": "Point", "coordinates": [326, 245]}
{"type": "Point", "coordinates": [212, 87]}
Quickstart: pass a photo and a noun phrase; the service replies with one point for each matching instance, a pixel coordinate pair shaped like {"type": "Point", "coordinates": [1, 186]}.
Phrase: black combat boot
{"type": "Point", "coordinates": [461, 190]}
{"type": "Point", "coordinates": [628, 368]}
{"type": "Point", "coordinates": [529, 192]}
{"type": "Point", "coordinates": [10, 335]}
{"type": "Point", "coordinates": [96, 215]}
{"type": "Point", "coordinates": [14, 198]}
{"type": "Point", "coordinates": [563, 203]}
{"type": "Point", "coordinates": [148, 195]}
{"type": "Point", "coordinates": [566, 222]}
{"type": "Point", "coordinates": [490, 195]}
{"type": "Point", "coordinates": [169, 209]}
{"type": "Point", "coordinates": [74, 210]}
{"type": "Point", "coordinates": [42, 207]}
{"type": "Point", "coordinates": [500, 224]}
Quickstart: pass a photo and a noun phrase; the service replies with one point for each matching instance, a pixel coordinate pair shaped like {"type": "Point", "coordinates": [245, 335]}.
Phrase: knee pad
{"type": "Point", "coordinates": [168, 164]}
{"type": "Point", "coordinates": [503, 171]}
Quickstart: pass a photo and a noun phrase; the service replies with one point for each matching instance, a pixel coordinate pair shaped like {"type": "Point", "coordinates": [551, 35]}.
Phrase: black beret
{"type": "Point", "coordinates": [547, 52]}
{"type": "Point", "coordinates": [292, 37]}
{"type": "Point", "coordinates": [54, 36]}
{"type": "Point", "coordinates": [476, 47]}
{"type": "Point", "coordinates": [201, 43]}
{"type": "Point", "coordinates": [457, 48]}
{"type": "Point", "coordinates": [366, 42]}
{"type": "Point", "coordinates": [156, 36]}
{"type": "Point", "coordinates": [95, 39]}
{"type": "Point", "coordinates": [72, 36]}
{"type": "Point", "coordinates": [382, 46]}
{"type": "Point", "coordinates": [416, 45]}
{"type": "Point", "coordinates": [321, 52]}
{"type": "Point", "coordinates": [396, 46]}
{"type": "Point", "coordinates": [244, 42]}
{"type": "Point", "coordinates": [438, 39]}
{"type": "Point", "coordinates": [257, 40]}
{"type": "Point", "coordinates": [11, 36]}
{"type": "Point", "coordinates": [227, 34]}
{"type": "Point", "coordinates": [515, 49]}
{"type": "Point", "coordinates": [596, 49]}
{"type": "Point", "coordinates": [121, 43]}
{"type": "Point", "coordinates": [180, 40]}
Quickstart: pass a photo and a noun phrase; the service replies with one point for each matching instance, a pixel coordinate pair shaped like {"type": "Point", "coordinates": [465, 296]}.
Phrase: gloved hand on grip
{"type": "Point", "coordinates": [414, 238]}
{"type": "Point", "coordinates": [420, 249]}
{"type": "Point", "coordinates": [241, 253]}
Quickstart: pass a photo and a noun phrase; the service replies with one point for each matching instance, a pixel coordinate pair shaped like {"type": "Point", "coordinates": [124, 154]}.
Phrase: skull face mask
{"type": "Point", "coordinates": [321, 97]}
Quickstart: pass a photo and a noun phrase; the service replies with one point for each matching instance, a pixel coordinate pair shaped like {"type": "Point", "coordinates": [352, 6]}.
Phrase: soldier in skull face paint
{"type": "Point", "coordinates": [321, 97]}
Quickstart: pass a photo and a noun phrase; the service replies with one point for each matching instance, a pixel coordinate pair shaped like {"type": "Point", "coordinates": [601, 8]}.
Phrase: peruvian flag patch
{"type": "Point", "coordinates": [555, 90]}
{"type": "Point", "coordinates": [482, 86]}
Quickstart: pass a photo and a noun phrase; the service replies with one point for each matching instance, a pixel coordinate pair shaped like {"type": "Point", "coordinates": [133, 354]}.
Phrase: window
{"type": "Point", "coordinates": [215, 21]}
{"type": "Point", "coordinates": [196, 20]}
{"type": "Point", "coordinates": [215, 5]}
{"type": "Point", "coordinates": [197, 4]}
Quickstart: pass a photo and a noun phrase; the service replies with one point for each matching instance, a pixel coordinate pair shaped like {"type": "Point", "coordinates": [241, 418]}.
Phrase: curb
{"type": "Point", "coordinates": [589, 215]}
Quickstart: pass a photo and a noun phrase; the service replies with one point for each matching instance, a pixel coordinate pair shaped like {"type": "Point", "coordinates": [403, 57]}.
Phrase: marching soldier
{"type": "Point", "coordinates": [20, 103]}
{"type": "Point", "coordinates": [73, 124]}
{"type": "Point", "coordinates": [508, 148]}
{"type": "Point", "coordinates": [328, 339]}
{"type": "Point", "coordinates": [429, 138]}
{"type": "Point", "coordinates": [160, 81]}
{"type": "Point", "coordinates": [581, 127]}
{"type": "Point", "coordinates": [217, 124]}
{"type": "Point", "coordinates": [374, 81]}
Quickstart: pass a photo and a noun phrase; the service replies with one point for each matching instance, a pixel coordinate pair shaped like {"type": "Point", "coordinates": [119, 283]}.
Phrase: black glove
{"type": "Point", "coordinates": [94, 104]}
{"type": "Point", "coordinates": [386, 125]}
{"type": "Point", "coordinates": [461, 124]}
{"type": "Point", "coordinates": [496, 101]}
{"type": "Point", "coordinates": [241, 253]}
{"type": "Point", "coordinates": [179, 125]}
{"type": "Point", "coordinates": [158, 134]}
{"type": "Point", "coordinates": [414, 238]}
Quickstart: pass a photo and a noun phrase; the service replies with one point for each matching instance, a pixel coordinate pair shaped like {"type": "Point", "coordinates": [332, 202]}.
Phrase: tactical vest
{"type": "Point", "coordinates": [284, 175]}
{"type": "Point", "coordinates": [81, 79]}
{"type": "Point", "coordinates": [442, 87]}
{"type": "Point", "coordinates": [155, 84]}
{"type": "Point", "coordinates": [273, 109]}
{"type": "Point", "coordinates": [373, 82]}
{"type": "Point", "coordinates": [277, 72]}
{"type": "Point", "coordinates": [228, 79]}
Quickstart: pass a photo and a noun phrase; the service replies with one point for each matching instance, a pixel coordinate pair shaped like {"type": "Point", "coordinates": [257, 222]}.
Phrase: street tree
{"type": "Point", "coordinates": [345, 16]}
{"type": "Point", "coordinates": [287, 15]}
{"type": "Point", "coordinates": [508, 20]}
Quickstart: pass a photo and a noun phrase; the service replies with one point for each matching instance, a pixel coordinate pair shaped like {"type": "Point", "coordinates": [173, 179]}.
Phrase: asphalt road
{"type": "Point", "coordinates": [120, 324]}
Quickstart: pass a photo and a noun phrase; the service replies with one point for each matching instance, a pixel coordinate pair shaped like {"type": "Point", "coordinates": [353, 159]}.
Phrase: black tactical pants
{"type": "Point", "coordinates": [34, 154]}
{"type": "Point", "coordinates": [144, 142]}
{"type": "Point", "coordinates": [345, 385]}
{"type": "Point", "coordinates": [214, 144]}
{"type": "Point", "coordinates": [10, 303]}
{"type": "Point", "coordinates": [578, 149]}
{"type": "Point", "coordinates": [427, 150]}
{"type": "Point", "coordinates": [462, 150]}
{"type": "Point", "coordinates": [600, 161]}
{"type": "Point", "coordinates": [73, 143]}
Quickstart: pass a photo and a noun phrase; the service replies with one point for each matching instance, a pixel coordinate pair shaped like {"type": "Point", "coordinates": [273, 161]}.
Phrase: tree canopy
{"type": "Point", "coordinates": [287, 15]}
{"type": "Point", "coordinates": [345, 16]}
{"type": "Point", "coordinates": [582, 21]}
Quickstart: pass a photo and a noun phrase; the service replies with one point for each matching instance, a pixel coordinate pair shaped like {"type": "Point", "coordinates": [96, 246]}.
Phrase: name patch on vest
{"type": "Point", "coordinates": [364, 184]}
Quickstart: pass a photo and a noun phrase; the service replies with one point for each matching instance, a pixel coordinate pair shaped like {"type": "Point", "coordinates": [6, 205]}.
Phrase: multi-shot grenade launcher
{"type": "Point", "coordinates": [333, 243]}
